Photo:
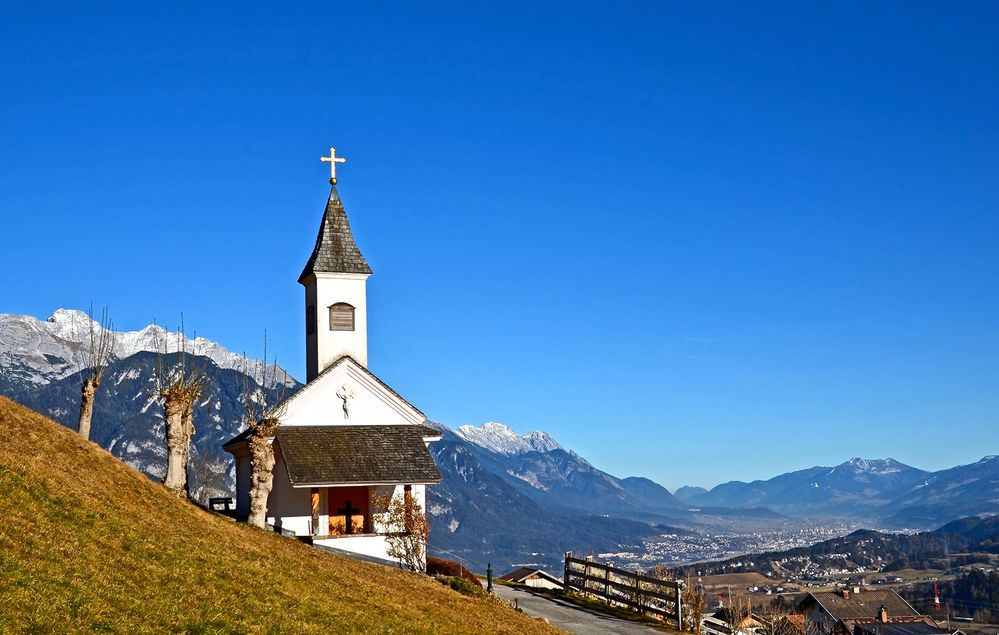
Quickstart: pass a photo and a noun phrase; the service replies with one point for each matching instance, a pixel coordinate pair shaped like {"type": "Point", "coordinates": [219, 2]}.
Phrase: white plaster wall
{"type": "Point", "coordinates": [542, 583]}
{"type": "Point", "coordinates": [365, 545]}
{"type": "Point", "coordinates": [324, 510]}
{"type": "Point", "coordinates": [330, 288]}
{"type": "Point", "coordinates": [399, 491]}
{"type": "Point", "coordinates": [420, 496]}
{"type": "Point", "coordinates": [318, 404]}
{"type": "Point", "coordinates": [288, 507]}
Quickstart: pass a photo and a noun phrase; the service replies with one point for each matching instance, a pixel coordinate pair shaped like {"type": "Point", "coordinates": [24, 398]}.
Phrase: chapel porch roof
{"type": "Point", "coordinates": [427, 432]}
{"type": "Point", "coordinates": [368, 455]}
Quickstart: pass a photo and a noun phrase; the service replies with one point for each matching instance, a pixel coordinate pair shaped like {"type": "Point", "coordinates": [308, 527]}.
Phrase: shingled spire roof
{"type": "Point", "coordinates": [335, 251]}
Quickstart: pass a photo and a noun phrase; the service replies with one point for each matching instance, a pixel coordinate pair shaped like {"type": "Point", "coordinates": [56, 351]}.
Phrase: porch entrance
{"type": "Point", "coordinates": [349, 510]}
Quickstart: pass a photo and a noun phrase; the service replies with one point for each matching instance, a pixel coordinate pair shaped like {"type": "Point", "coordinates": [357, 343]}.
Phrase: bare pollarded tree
{"type": "Point", "coordinates": [180, 383]}
{"type": "Point", "coordinates": [97, 357]}
{"type": "Point", "coordinates": [262, 418]}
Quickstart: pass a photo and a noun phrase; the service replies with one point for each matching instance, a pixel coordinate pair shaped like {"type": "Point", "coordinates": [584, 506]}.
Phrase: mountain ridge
{"type": "Point", "coordinates": [856, 487]}
{"type": "Point", "coordinates": [498, 437]}
{"type": "Point", "coordinates": [533, 472]}
{"type": "Point", "coordinates": [37, 352]}
{"type": "Point", "coordinates": [884, 490]}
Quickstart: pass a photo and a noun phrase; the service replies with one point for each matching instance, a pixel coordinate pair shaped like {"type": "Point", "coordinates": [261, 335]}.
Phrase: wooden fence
{"type": "Point", "coordinates": [644, 593]}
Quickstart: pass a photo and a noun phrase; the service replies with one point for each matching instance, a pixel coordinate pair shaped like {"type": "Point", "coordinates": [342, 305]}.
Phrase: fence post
{"type": "Point", "coordinates": [638, 591]}
{"type": "Point", "coordinates": [679, 605]}
{"type": "Point", "coordinates": [657, 587]}
{"type": "Point", "coordinates": [607, 568]}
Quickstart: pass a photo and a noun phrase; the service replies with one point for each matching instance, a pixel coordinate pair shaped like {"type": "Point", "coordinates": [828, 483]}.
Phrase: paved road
{"type": "Point", "coordinates": [569, 616]}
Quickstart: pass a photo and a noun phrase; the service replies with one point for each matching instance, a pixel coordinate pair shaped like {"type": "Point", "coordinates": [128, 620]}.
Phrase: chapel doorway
{"type": "Point", "coordinates": [349, 510]}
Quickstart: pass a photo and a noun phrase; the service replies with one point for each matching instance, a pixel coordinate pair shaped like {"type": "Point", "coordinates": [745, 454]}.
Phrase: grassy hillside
{"type": "Point", "coordinates": [88, 544]}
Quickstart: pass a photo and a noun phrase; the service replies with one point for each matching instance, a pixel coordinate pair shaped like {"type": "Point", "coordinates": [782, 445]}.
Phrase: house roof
{"type": "Point", "coordinates": [335, 250]}
{"type": "Point", "coordinates": [898, 628]}
{"type": "Point", "coordinates": [320, 455]}
{"type": "Point", "coordinates": [863, 605]}
{"type": "Point", "coordinates": [523, 573]}
{"type": "Point", "coordinates": [724, 615]}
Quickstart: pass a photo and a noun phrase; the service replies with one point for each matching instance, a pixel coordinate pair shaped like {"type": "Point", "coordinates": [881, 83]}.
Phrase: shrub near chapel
{"type": "Point", "coordinates": [406, 529]}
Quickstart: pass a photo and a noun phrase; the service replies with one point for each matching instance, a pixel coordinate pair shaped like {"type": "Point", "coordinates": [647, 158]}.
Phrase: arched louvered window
{"type": "Point", "coordinates": [341, 317]}
{"type": "Point", "coordinates": [310, 320]}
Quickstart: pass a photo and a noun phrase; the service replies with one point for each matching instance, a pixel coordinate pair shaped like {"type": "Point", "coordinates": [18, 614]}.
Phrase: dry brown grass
{"type": "Point", "coordinates": [88, 544]}
{"type": "Point", "coordinates": [743, 579]}
{"type": "Point", "coordinates": [915, 574]}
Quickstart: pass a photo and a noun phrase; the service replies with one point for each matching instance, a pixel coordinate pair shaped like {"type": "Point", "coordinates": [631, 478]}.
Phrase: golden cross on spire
{"type": "Point", "coordinates": [333, 159]}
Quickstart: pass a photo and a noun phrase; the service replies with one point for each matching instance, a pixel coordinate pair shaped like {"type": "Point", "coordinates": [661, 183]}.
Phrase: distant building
{"type": "Point", "coordinates": [880, 612]}
{"type": "Point", "coordinates": [533, 578]}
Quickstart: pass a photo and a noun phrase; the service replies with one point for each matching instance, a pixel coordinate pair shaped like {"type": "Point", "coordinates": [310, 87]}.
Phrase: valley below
{"type": "Point", "coordinates": [675, 550]}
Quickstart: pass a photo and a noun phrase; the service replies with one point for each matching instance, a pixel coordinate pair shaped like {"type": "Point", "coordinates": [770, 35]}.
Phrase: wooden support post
{"type": "Point", "coordinates": [315, 510]}
{"type": "Point", "coordinates": [408, 507]}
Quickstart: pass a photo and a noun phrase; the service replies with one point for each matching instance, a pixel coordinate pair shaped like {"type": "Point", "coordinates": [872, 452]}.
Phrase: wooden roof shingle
{"type": "Point", "coordinates": [335, 250]}
{"type": "Point", "coordinates": [319, 455]}
{"type": "Point", "coordinates": [863, 605]}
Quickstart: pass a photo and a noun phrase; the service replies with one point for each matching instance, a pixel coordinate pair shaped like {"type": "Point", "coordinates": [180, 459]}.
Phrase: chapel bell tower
{"type": "Point", "coordinates": [335, 279]}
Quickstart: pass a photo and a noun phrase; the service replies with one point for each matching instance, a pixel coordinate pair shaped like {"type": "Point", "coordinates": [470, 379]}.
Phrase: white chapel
{"type": "Point", "coordinates": [346, 436]}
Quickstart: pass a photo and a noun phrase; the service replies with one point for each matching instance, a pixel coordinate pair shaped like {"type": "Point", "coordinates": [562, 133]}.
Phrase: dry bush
{"type": "Point", "coordinates": [450, 568]}
{"type": "Point", "coordinates": [406, 529]}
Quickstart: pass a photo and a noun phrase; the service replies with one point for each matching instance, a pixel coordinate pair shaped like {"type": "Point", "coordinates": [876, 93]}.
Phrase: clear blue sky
{"type": "Point", "coordinates": [694, 241]}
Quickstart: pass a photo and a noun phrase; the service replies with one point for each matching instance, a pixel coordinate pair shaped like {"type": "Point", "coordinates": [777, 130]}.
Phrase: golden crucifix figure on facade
{"type": "Point", "coordinates": [333, 159]}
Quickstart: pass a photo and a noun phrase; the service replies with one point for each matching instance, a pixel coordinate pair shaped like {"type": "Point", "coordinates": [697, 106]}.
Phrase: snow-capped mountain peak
{"type": "Point", "coordinates": [872, 466]}
{"type": "Point", "coordinates": [876, 467]}
{"type": "Point", "coordinates": [41, 351]}
{"type": "Point", "coordinates": [499, 438]}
